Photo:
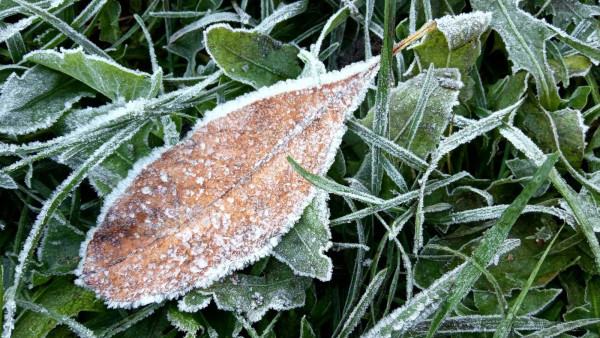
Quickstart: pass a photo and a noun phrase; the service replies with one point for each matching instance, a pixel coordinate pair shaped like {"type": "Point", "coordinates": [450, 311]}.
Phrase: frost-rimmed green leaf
{"type": "Point", "coordinates": [303, 247]}
{"type": "Point", "coordinates": [421, 109]}
{"type": "Point", "coordinates": [456, 43]}
{"type": "Point", "coordinates": [62, 297]}
{"type": "Point", "coordinates": [278, 289]}
{"type": "Point", "coordinates": [37, 99]}
{"type": "Point", "coordinates": [104, 75]}
{"type": "Point", "coordinates": [525, 39]}
{"type": "Point", "coordinates": [251, 57]}
{"type": "Point", "coordinates": [59, 248]}
{"type": "Point", "coordinates": [479, 324]}
{"type": "Point", "coordinates": [7, 182]}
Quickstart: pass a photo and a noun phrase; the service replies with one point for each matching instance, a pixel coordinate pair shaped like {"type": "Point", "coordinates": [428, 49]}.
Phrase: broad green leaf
{"type": "Point", "coordinates": [188, 47]}
{"type": "Point", "coordinates": [279, 289]}
{"type": "Point", "coordinates": [507, 91]}
{"type": "Point", "coordinates": [523, 168]}
{"type": "Point", "coordinates": [37, 99]}
{"type": "Point", "coordinates": [428, 100]}
{"type": "Point", "coordinates": [59, 248]}
{"type": "Point", "coordinates": [535, 301]}
{"type": "Point", "coordinates": [104, 75]}
{"type": "Point", "coordinates": [62, 297]}
{"type": "Point", "coordinates": [532, 120]}
{"type": "Point", "coordinates": [579, 98]}
{"type": "Point", "coordinates": [589, 202]}
{"type": "Point", "coordinates": [591, 308]}
{"type": "Point", "coordinates": [570, 66]}
{"type": "Point", "coordinates": [189, 323]}
{"type": "Point", "coordinates": [456, 43]}
{"type": "Point", "coordinates": [109, 22]}
{"type": "Point", "coordinates": [250, 57]}
{"type": "Point", "coordinates": [306, 330]}
{"type": "Point", "coordinates": [490, 243]}
{"type": "Point", "coordinates": [302, 248]}
{"type": "Point", "coordinates": [525, 38]}
{"type": "Point", "coordinates": [567, 11]}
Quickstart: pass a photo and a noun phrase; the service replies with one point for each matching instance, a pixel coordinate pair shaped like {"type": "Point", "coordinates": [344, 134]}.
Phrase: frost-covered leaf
{"type": "Point", "coordinates": [306, 330]}
{"type": "Point", "coordinates": [430, 100]}
{"type": "Point", "coordinates": [507, 91]}
{"type": "Point", "coordinates": [251, 57]}
{"type": "Point", "coordinates": [109, 22]}
{"type": "Point", "coordinates": [37, 99]}
{"type": "Point", "coordinates": [204, 22]}
{"type": "Point", "coordinates": [59, 249]}
{"type": "Point", "coordinates": [61, 297]}
{"type": "Point", "coordinates": [456, 43]}
{"type": "Point", "coordinates": [591, 307]}
{"type": "Point", "coordinates": [589, 202]}
{"type": "Point", "coordinates": [567, 11]}
{"type": "Point", "coordinates": [278, 289]}
{"type": "Point", "coordinates": [104, 75]}
{"type": "Point", "coordinates": [228, 206]}
{"type": "Point", "coordinates": [189, 323]}
{"type": "Point", "coordinates": [303, 247]}
{"type": "Point", "coordinates": [535, 301]}
{"type": "Point", "coordinates": [532, 120]}
{"type": "Point", "coordinates": [525, 38]}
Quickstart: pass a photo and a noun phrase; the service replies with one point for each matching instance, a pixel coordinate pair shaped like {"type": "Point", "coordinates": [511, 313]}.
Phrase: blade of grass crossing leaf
{"type": "Point", "coordinates": [527, 147]}
{"type": "Point", "coordinates": [424, 94]}
{"type": "Point", "coordinates": [487, 274]}
{"type": "Point", "coordinates": [48, 210]}
{"type": "Point", "coordinates": [76, 327]}
{"type": "Point", "coordinates": [57, 23]}
{"type": "Point", "coordinates": [333, 187]}
{"type": "Point", "coordinates": [504, 327]}
{"type": "Point", "coordinates": [491, 242]}
{"type": "Point", "coordinates": [384, 82]}
{"type": "Point", "coordinates": [153, 60]}
{"type": "Point", "coordinates": [390, 147]}
{"type": "Point", "coordinates": [363, 304]}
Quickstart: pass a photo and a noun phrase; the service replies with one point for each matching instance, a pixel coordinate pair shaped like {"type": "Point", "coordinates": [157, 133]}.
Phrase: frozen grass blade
{"type": "Point", "coordinates": [76, 327]}
{"type": "Point", "coordinates": [384, 82]}
{"type": "Point", "coordinates": [558, 329]}
{"type": "Point", "coordinates": [504, 327]}
{"type": "Point", "coordinates": [67, 30]}
{"type": "Point", "coordinates": [490, 243]}
{"type": "Point", "coordinates": [363, 304]}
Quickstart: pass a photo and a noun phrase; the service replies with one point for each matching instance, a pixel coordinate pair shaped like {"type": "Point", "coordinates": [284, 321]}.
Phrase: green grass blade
{"type": "Point", "coordinates": [363, 303]}
{"type": "Point", "coordinates": [491, 242]}
{"type": "Point", "coordinates": [504, 327]}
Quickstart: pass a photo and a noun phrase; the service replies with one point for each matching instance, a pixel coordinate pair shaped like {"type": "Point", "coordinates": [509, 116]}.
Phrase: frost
{"type": "Point", "coordinates": [282, 13]}
{"type": "Point", "coordinates": [493, 212]}
{"type": "Point", "coordinates": [36, 100]}
{"type": "Point", "coordinates": [204, 22]}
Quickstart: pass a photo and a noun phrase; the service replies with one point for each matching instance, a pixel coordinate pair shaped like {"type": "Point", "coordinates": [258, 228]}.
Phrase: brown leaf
{"type": "Point", "coordinates": [222, 198]}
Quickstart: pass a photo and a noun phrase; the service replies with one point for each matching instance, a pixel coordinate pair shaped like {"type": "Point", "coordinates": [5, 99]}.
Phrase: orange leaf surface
{"type": "Point", "coordinates": [221, 199]}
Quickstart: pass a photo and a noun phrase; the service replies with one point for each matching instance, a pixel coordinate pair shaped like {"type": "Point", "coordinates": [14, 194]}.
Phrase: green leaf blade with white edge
{"type": "Point", "coordinates": [525, 38]}
{"type": "Point", "coordinates": [484, 253]}
{"type": "Point", "coordinates": [280, 289]}
{"type": "Point", "coordinates": [456, 43]}
{"type": "Point", "coordinates": [37, 99]}
{"type": "Point", "coordinates": [303, 247]}
{"type": "Point", "coordinates": [104, 75]}
{"type": "Point", "coordinates": [363, 304]}
{"type": "Point", "coordinates": [429, 100]}
{"type": "Point", "coordinates": [250, 57]}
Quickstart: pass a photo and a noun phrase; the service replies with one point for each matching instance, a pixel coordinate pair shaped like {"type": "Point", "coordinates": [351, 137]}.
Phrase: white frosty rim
{"type": "Point", "coordinates": [219, 112]}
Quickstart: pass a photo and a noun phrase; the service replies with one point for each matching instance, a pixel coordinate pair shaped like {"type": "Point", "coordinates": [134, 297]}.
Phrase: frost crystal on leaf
{"type": "Point", "coordinates": [215, 206]}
